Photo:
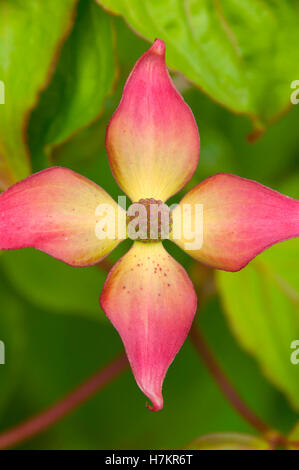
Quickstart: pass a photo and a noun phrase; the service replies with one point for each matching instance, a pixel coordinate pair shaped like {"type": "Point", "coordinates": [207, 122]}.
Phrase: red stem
{"type": "Point", "coordinates": [64, 406]}
{"type": "Point", "coordinates": [294, 444]}
{"type": "Point", "coordinates": [105, 265]}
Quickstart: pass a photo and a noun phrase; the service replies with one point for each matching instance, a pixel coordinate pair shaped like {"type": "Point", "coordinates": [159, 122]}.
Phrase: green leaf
{"type": "Point", "coordinates": [239, 53]}
{"type": "Point", "coordinates": [85, 75]}
{"type": "Point", "coordinates": [51, 284]}
{"type": "Point", "coordinates": [261, 303]}
{"type": "Point", "coordinates": [224, 148]}
{"type": "Point", "coordinates": [30, 38]}
{"type": "Point", "coordinates": [228, 441]}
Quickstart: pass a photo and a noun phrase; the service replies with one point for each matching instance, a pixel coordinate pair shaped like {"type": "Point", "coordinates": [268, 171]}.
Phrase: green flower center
{"type": "Point", "coordinates": [149, 220]}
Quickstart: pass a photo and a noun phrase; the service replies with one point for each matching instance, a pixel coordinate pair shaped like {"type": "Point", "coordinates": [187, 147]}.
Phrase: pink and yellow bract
{"type": "Point", "coordinates": [153, 147]}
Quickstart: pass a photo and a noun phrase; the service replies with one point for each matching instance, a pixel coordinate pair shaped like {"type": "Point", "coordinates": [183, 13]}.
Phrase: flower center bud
{"type": "Point", "coordinates": [149, 220]}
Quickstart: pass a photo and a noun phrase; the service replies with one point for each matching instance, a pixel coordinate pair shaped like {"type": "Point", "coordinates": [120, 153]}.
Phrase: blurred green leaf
{"type": "Point", "coordinates": [85, 75]}
{"type": "Point", "coordinates": [262, 306]}
{"type": "Point", "coordinates": [239, 53]}
{"type": "Point", "coordinates": [224, 147]}
{"type": "Point", "coordinates": [51, 284]}
{"type": "Point", "coordinates": [85, 153]}
{"type": "Point", "coordinates": [228, 441]}
{"type": "Point", "coordinates": [243, 372]}
{"type": "Point", "coordinates": [291, 185]}
{"type": "Point", "coordinates": [30, 37]}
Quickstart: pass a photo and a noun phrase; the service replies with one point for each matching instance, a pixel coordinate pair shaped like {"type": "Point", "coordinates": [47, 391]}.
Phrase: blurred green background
{"type": "Point", "coordinates": [64, 65]}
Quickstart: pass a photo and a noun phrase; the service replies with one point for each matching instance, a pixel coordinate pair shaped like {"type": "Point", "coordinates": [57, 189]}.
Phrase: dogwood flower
{"type": "Point", "coordinates": [153, 147]}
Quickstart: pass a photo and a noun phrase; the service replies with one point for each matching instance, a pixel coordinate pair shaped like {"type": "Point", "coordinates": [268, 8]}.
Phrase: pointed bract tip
{"type": "Point", "coordinates": [158, 47]}
{"type": "Point", "coordinates": [157, 403]}
{"type": "Point", "coordinates": [153, 392]}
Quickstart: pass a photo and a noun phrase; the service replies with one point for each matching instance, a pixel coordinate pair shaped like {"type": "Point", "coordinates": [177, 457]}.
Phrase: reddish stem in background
{"type": "Point", "coordinates": [105, 265]}
{"type": "Point", "coordinates": [64, 406]}
{"type": "Point", "coordinates": [273, 436]}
